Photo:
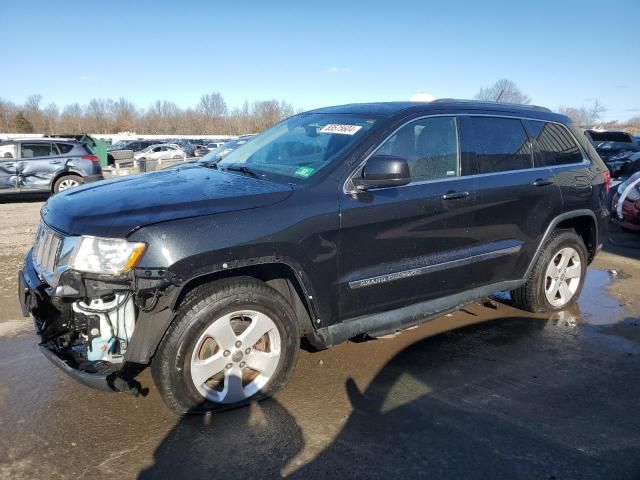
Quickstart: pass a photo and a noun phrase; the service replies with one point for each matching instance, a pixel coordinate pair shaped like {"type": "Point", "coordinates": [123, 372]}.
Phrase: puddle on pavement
{"type": "Point", "coordinates": [597, 306]}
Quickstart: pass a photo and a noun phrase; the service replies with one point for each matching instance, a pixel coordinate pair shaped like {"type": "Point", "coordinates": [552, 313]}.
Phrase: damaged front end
{"type": "Point", "coordinates": [86, 321]}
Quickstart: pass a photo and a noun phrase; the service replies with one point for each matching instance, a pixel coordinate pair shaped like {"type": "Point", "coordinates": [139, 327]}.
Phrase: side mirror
{"type": "Point", "coordinates": [382, 171]}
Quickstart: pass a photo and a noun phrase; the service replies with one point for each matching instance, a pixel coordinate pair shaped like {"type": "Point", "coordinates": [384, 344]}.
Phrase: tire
{"type": "Point", "coordinates": [537, 294]}
{"type": "Point", "coordinates": [66, 182]}
{"type": "Point", "coordinates": [199, 337]}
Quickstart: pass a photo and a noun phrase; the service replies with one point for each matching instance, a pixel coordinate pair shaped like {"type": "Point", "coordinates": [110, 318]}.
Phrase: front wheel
{"type": "Point", "coordinates": [556, 280]}
{"type": "Point", "coordinates": [231, 343]}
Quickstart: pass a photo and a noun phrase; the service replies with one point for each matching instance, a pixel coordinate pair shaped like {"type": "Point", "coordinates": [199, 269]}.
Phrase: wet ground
{"type": "Point", "coordinates": [507, 395]}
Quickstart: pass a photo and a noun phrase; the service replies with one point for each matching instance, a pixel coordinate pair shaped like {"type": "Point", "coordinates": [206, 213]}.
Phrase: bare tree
{"type": "Point", "coordinates": [503, 91]}
{"type": "Point", "coordinates": [212, 107]}
{"type": "Point", "coordinates": [585, 116]}
{"type": "Point", "coordinates": [7, 112]}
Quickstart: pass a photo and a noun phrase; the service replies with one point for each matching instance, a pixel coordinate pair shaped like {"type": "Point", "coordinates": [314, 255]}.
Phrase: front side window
{"type": "Point", "coordinates": [300, 146]}
{"type": "Point", "coordinates": [29, 150]}
{"type": "Point", "coordinates": [501, 144]}
{"type": "Point", "coordinates": [430, 147]}
{"type": "Point", "coordinates": [555, 146]}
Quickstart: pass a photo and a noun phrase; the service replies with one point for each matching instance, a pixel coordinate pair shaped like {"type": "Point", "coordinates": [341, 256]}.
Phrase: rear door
{"type": "Point", "coordinates": [40, 163]}
{"type": "Point", "coordinates": [8, 174]}
{"type": "Point", "coordinates": [557, 149]}
{"type": "Point", "coordinates": [516, 197]}
{"type": "Point", "coordinates": [403, 245]}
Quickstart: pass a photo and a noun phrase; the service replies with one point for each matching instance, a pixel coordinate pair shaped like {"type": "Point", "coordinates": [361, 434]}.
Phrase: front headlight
{"type": "Point", "coordinates": [106, 255]}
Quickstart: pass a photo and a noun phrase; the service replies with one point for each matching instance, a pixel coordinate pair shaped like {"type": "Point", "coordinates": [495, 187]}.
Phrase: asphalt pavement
{"type": "Point", "coordinates": [506, 394]}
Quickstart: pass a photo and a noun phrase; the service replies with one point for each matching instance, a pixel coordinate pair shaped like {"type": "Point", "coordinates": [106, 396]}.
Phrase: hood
{"type": "Point", "coordinates": [114, 208]}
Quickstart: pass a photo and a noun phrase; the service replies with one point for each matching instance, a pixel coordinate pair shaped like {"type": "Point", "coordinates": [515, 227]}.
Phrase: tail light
{"type": "Point", "coordinates": [607, 181]}
{"type": "Point", "coordinates": [96, 159]}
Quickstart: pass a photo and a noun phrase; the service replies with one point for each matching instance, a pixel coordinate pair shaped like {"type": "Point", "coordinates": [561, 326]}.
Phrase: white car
{"type": "Point", "coordinates": [164, 151]}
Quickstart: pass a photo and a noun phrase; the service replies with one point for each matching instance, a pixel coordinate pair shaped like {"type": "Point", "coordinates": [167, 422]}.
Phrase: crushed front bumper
{"type": "Point", "coordinates": [37, 304]}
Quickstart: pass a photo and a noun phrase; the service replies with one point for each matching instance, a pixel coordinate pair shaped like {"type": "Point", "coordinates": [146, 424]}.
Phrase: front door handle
{"type": "Point", "coordinates": [55, 162]}
{"type": "Point", "coordinates": [454, 195]}
{"type": "Point", "coordinates": [542, 182]}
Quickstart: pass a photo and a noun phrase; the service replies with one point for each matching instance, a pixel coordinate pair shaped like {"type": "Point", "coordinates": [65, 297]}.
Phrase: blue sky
{"type": "Point", "coordinates": [321, 53]}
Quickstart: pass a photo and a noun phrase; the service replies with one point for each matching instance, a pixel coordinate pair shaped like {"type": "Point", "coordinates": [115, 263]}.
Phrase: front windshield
{"type": "Point", "coordinates": [300, 146]}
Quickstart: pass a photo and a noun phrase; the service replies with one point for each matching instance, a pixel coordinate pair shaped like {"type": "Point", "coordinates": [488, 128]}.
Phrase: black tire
{"type": "Point", "coordinates": [171, 366]}
{"type": "Point", "coordinates": [531, 296]}
{"type": "Point", "coordinates": [66, 178]}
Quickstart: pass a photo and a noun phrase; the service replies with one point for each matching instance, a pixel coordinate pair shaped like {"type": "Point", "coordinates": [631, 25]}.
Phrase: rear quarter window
{"type": "Point", "coordinates": [554, 144]}
{"type": "Point", "coordinates": [64, 147]}
{"type": "Point", "coordinates": [501, 144]}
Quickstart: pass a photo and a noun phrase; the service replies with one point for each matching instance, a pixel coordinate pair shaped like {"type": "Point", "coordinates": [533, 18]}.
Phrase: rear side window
{"type": "Point", "coordinates": [501, 144]}
{"type": "Point", "coordinates": [430, 146]}
{"type": "Point", "coordinates": [64, 147]}
{"type": "Point", "coordinates": [554, 144]}
{"type": "Point", "coordinates": [29, 150]}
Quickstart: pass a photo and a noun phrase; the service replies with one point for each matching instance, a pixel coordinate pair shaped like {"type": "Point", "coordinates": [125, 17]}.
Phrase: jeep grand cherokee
{"type": "Point", "coordinates": [339, 222]}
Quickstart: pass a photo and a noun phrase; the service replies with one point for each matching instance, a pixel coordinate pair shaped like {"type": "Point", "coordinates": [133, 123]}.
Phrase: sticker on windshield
{"type": "Point", "coordinates": [305, 171]}
{"type": "Point", "coordinates": [340, 129]}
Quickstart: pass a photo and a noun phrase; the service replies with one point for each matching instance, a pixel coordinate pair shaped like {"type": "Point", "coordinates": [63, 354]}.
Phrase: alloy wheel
{"type": "Point", "coordinates": [235, 356]}
{"type": "Point", "coordinates": [563, 276]}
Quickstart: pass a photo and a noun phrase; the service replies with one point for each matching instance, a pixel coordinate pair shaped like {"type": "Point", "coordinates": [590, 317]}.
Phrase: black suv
{"type": "Point", "coordinates": [46, 165]}
{"type": "Point", "coordinates": [339, 222]}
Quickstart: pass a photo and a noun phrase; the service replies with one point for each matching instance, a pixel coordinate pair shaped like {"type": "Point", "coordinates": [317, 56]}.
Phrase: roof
{"type": "Point", "coordinates": [40, 139]}
{"type": "Point", "coordinates": [386, 109]}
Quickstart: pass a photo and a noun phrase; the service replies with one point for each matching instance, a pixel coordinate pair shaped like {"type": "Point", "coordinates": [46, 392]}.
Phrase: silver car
{"type": "Point", "coordinates": [46, 165]}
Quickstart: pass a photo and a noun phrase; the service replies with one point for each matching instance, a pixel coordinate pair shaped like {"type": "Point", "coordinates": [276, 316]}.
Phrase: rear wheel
{"type": "Point", "coordinates": [232, 342]}
{"type": "Point", "coordinates": [66, 182]}
{"type": "Point", "coordinates": [556, 280]}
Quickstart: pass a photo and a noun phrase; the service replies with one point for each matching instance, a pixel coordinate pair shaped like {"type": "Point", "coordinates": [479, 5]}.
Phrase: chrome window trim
{"type": "Point", "coordinates": [585, 158]}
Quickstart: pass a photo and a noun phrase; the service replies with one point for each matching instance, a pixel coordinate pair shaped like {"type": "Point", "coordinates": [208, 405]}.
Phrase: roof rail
{"type": "Point", "coordinates": [488, 102]}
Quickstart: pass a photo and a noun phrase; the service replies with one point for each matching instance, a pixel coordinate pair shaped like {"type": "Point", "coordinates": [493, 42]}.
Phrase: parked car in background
{"type": "Point", "coordinates": [214, 145]}
{"type": "Point", "coordinates": [228, 147]}
{"type": "Point", "coordinates": [133, 145]}
{"type": "Point", "coordinates": [165, 151]}
{"type": "Point", "coordinates": [597, 136]}
{"type": "Point", "coordinates": [46, 165]}
{"type": "Point", "coordinates": [627, 213]}
{"type": "Point", "coordinates": [200, 151]}
{"type": "Point", "coordinates": [625, 163]}
{"type": "Point", "coordinates": [335, 223]}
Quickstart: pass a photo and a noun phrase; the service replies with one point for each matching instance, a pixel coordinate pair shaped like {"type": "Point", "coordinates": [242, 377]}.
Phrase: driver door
{"type": "Point", "coordinates": [406, 244]}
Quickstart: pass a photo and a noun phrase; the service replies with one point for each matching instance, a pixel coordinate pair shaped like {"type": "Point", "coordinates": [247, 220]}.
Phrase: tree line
{"type": "Point", "coordinates": [106, 116]}
{"type": "Point", "coordinates": [213, 116]}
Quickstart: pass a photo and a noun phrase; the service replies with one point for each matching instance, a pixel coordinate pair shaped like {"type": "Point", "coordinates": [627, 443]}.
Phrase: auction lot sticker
{"type": "Point", "coordinates": [340, 128]}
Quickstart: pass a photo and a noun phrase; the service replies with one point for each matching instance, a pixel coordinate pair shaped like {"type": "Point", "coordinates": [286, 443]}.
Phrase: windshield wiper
{"type": "Point", "coordinates": [243, 169]}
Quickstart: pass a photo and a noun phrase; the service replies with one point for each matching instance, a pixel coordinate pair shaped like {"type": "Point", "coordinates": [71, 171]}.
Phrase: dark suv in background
{"type": "Point", "coordinates": [343, 221]}
{"type": "Point", "coordinates": [46, 165]}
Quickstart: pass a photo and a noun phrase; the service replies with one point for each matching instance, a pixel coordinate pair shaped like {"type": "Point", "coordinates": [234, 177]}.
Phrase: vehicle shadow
{"type": "Point", "coordinates": [484, 401]}
{"type": "Point", "coordinates": [24, 197]}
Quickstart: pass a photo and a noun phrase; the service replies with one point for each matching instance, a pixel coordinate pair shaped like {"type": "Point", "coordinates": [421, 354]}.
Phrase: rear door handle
{"type": "Point", "coordinates": [454, 195]}
{"type": "Point", "coordinates": [542, 182]}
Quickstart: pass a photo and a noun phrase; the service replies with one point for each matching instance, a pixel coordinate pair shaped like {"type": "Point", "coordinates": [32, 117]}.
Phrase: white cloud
{"type": "Point", "coordinates": [422, 97]}
{"type": "Point", "coordinates": [338, 70]}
